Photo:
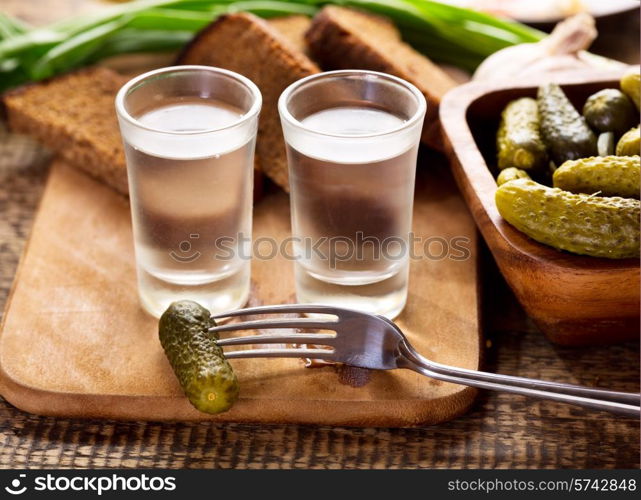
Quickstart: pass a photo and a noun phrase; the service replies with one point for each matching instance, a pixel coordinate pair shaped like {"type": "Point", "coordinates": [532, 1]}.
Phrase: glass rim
{"type": "Point", "coordinates": [418, 115]}
{"type": "Point", "coordinates": [127, 87]}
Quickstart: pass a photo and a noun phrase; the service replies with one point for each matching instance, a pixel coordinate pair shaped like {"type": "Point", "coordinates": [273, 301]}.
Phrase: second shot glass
{"type": "Point", "coordinates": [352, 142]}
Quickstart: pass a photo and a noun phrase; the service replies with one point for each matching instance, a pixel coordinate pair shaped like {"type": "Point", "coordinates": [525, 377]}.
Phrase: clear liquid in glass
{"type": "Point", "coordinates": [355, 207]}
{"type": "Point", "coordinates": [191, 209]}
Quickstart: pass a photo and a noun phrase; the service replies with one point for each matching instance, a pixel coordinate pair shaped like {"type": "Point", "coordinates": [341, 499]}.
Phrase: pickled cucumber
{"type": "Point", "coordinates": [630, 82]}
{"type": "Point", "coordinates": [205, 376]}
{"type": "Point", "coordinates": [605, 144]}
{"type": "Point", "coordinates": [578, 223]}
{"type": "Point", "coordinates": [610, 110]}
{"type": "Point", "coordinates": [606, 175]}
{"type": "Point", "coordinates": [510, 174]}
{"type": "Point", "coordinates": [629, 143]}
{"type": "Point", "coordinates": [518, 140]}
{"type": "Point", "coordinates": [565, 132]}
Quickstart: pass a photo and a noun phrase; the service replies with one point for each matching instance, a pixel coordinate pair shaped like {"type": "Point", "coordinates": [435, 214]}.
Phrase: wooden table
{"type": "Point", "coordinates": [501, 431]}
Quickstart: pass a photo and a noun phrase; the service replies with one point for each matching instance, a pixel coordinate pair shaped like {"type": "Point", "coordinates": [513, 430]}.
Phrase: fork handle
{"type": "Point", "coordinates": [576, 395]}
{"type": "Point", "coordinates": [575, 390]}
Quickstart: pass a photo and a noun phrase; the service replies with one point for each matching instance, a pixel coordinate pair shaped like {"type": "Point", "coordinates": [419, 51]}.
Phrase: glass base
{"type": "Point", "coordinates": [225, 294]}
{"type": "Point", "coordinates": [386, 297]}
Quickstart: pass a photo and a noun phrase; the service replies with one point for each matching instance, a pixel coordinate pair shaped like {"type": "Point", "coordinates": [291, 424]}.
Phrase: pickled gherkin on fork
{"type": "Point", "coordinates": [205, 376]}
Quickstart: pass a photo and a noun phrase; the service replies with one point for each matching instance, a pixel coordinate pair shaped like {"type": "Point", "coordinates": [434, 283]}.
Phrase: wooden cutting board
{"type": "Point", "coordinates": [75, 342]}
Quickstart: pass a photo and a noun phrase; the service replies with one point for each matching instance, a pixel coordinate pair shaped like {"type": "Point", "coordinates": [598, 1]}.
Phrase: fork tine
{"type": "Point", "coordinates": [292, 338]}
{"type": "Point", "coordinates": [275, 323]}
{"type": "Point", "coordinates": [325, 354]}
{"type": "Point", "coordinates": [279, 309]}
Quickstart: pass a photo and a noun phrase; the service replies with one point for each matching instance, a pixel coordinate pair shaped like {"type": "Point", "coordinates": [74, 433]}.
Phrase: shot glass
{"type": "Point", "coordinates": [352, 141]}
{"type": "Point", "coordinates": [189, 134]}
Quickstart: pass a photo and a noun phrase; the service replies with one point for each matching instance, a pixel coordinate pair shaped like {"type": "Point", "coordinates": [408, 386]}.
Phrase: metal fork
{"type": "Point", "coordinates": [375, 342]}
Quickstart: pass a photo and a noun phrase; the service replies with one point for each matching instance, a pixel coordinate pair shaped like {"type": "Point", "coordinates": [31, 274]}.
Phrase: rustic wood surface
{"type": "Point", "coordinates": [501, 431]}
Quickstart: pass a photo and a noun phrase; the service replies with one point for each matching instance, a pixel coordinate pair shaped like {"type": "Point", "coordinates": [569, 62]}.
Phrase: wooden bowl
{"type": "Point", "coordinates": [574, 300]}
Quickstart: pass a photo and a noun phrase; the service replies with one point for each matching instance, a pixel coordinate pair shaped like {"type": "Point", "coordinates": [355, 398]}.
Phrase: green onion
{"type": "Point", "coordinates": [171, 20]}
{"type": "Point", "coordinates": [269, 8]}
{"type": "Point", "coordinates": [74, 51]}
{"type": "Point", "coordinates": [460, 34]}
{"type": "Point", "coordinates": [443, 32]}
{"type": "Point", "coordinates": [10, 26]}
{"type": "Point", "coordinates": [131, 40]}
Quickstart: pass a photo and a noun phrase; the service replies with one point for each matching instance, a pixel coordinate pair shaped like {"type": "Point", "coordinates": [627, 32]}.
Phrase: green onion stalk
{"type": "Point", "coordinates": [445, 33]}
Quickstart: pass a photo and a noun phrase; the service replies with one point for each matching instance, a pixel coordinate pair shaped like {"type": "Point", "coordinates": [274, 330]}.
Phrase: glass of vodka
{"type": "Point", "coordinates": [352, 141]}
{"type": "Point", "coordinates": [189, 134]}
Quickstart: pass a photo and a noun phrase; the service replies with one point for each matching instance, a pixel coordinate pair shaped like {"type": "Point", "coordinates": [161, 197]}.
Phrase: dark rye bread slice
{"type": "Point", "coordinates": [74, 116]}
{"type": "Point", "coordinates": [248, 45]}
{"type": "Point", "coordinates": [342, 38]}
{"type": "Point", "coordinates": [293, 28]}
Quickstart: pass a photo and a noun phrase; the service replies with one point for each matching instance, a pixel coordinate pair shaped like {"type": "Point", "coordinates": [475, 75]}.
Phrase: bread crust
{"type": "Point", "coordinates": [293, 28]}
